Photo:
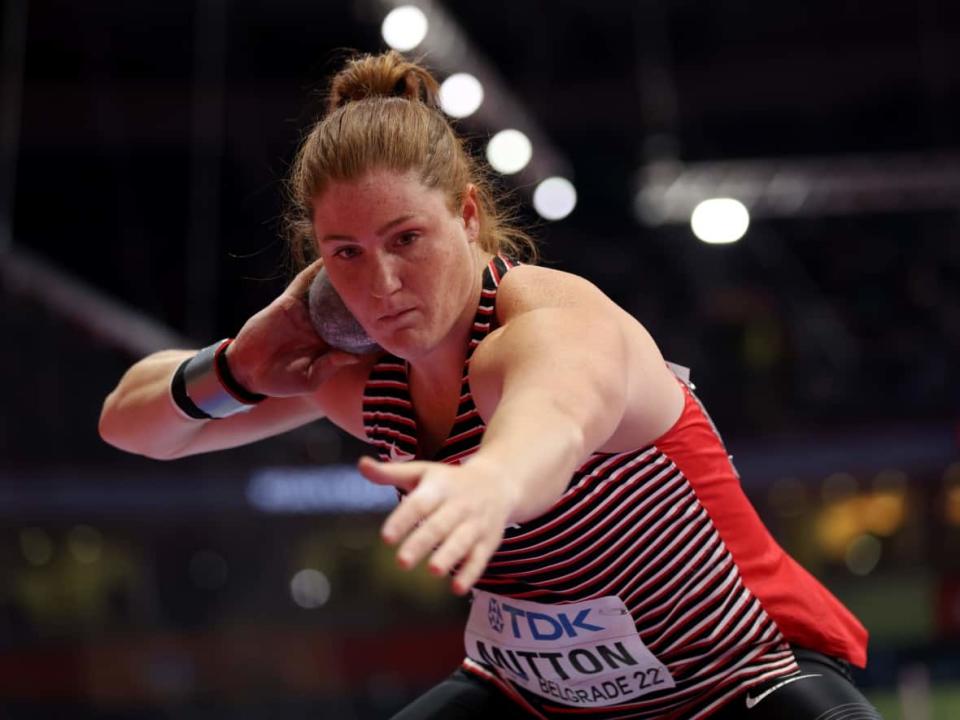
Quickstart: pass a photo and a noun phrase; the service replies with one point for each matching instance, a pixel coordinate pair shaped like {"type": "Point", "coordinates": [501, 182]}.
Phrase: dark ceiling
{"type": "Point", "coordinates": [153, 138]}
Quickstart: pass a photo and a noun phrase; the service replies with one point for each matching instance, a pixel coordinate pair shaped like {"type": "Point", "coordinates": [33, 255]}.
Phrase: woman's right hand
{"type": "Point", "coordinates": [278, 352]}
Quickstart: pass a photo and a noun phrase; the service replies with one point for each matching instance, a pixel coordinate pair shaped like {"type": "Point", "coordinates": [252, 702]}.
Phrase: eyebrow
{"type": "Point", "coordinates": [380, 232]}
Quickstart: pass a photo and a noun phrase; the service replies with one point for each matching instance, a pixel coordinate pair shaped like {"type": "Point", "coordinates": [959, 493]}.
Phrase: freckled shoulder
{"type": "Point", "coordinates": [654, 398]}
{"type": "Point", "coordinates": [531, 287]}
{"type": "Point", "coordinates": [527, 289]}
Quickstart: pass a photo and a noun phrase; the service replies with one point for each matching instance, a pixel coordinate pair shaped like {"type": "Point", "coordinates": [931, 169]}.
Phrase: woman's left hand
{"type": "Point", "coordinates": [454, 513]}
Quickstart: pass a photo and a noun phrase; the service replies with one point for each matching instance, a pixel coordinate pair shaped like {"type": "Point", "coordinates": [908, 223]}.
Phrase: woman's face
{"type": "Point", "coordinates": [404, 264]}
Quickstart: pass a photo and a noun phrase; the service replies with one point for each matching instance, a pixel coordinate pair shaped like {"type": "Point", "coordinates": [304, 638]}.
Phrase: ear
{"type": "Point", "coordinates": [470, 213]}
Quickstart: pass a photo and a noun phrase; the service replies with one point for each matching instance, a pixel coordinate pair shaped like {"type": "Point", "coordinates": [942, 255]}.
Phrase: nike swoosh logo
{"type": "Point", "coordinates": [751, 701]}
{"type": "Point", "coordinates": [399, 455]}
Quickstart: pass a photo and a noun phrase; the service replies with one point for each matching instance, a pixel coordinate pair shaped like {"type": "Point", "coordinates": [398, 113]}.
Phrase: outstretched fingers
{"type": "Point", "coordinates": [404, 476]}
{"type": "Point", "coordinates": [453, 549]}
{"type": "Point", "coordinates": [444, 517]}
{"type": "Point", "coordinates": [473, 568]}
{"type": "Point", "coordinates": [434, 530]}
{"type": "Point", "coordinates": [456, 538]}
{"type": "Point", "coordinates": [416, 509]}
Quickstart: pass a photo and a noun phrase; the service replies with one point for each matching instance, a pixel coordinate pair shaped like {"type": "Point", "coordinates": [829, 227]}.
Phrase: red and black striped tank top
{"type": "Point", "coordinates": [666, 528]}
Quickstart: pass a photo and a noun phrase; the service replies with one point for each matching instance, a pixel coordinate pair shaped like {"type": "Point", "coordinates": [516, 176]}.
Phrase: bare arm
{"type": "Point", "coordinates": [139, 416]}
{"type": "Point", "coordinates": [277, 353]}
{"type": "Point", "coordinates": [565, 376]}
{"type": "Point", "coordinates": [561, 381]}
{"type": "Point", "coordinates": [553, 385]}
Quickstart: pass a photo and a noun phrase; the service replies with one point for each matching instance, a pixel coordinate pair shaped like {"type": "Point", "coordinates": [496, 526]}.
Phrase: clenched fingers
{"type": "Point", "coordinates": [300, 285]}
{"type": "Point", "coordinates": [326, 365]}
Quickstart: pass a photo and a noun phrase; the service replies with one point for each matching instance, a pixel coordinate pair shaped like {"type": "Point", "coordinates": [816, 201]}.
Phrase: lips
{"type": "Point", "coordinates": [391, 316]}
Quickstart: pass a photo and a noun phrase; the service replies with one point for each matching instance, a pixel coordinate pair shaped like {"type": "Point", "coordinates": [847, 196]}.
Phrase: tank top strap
{"type": "Point", "coordinates": [485, 319]}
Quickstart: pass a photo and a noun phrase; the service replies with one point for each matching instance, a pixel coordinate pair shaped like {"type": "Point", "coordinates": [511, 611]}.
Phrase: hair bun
{"type": "Point", "coordinates": [386, 75]}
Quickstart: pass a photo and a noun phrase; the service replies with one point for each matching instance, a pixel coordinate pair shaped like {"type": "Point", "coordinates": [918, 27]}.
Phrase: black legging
{"type": "Point", "coordinates": [822, 690]}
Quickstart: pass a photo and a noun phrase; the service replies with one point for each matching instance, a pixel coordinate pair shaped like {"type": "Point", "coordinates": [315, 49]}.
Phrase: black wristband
{"type": "Point", "coordinates": [230, 382]}
{"type": "Point", "coordinates": [178, 390]}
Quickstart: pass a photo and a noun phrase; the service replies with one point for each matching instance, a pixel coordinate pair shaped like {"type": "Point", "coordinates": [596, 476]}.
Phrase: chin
{"type": "Point", "coordinates": [406, 344]}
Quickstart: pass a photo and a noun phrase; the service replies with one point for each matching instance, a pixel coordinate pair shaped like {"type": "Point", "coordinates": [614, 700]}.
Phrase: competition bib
{"type": "Point", "coordinates": [586, 654]}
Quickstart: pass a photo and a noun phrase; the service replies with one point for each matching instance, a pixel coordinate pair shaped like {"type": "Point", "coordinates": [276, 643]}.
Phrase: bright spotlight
{"type": "Point", "coordinates": [509, 151]}
{"type": "Point", "coordinates": [720, 220]}
{"type": "Point", "coordinates": [555, 198]}
{"type": "Point", "coordinates": [460, 95]}
{"type": "Point", "coordinates": [404, 28]}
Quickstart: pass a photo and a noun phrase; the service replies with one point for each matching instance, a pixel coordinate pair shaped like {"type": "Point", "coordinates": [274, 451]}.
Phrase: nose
{"type": "Point", "coordinates": [386, 276]}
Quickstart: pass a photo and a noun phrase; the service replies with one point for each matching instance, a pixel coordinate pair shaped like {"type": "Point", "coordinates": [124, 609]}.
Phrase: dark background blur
{"type": "Point", "coordinates": [144, 147]}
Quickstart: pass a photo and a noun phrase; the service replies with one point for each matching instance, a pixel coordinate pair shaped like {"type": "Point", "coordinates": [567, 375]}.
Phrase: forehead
{"type": "Point", "coordinates": [375, 195]}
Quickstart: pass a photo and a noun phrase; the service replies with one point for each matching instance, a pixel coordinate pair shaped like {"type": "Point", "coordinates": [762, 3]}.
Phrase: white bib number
{"type": "Point", "coordinates": [586, 654]}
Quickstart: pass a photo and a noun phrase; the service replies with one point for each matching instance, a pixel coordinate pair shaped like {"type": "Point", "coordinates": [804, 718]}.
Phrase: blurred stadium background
{"type": "Point", "coordinates": [143, 148]}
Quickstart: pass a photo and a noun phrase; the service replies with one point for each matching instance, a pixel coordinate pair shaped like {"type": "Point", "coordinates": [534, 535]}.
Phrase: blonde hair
{"type": "Point", "coordinates": [382, 112]}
